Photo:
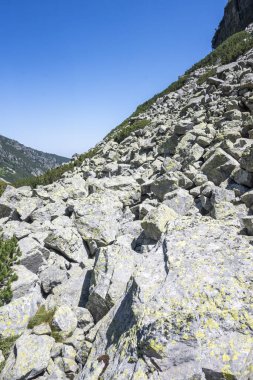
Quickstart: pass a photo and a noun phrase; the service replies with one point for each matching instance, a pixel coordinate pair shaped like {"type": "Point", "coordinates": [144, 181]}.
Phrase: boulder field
{"type": "Point", "coordinates": [138, 265]}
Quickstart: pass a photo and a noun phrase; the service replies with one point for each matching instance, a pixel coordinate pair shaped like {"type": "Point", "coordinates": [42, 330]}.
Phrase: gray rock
{"type": "Point", "coordinates": [181, 331]}
{"type": "Point", "coordinates": [154, 223]}
{"type": "Point", "coordinates": [169, 182]}
{"type": "Point", "coordinates": [15, 316]}
{"type": "Point", "coordinates": [179, 200]}
{"type": "Point", "coordinates": [49, 212]}
{"type": "Point", "coordinates": [247, 198]}
{"type": "Point", "coordinates": [51, 277]}
{"type": "Point", "coordinates": [33, 254]}
{"type": "Point", "coordinates": [27, 361]}
{"type": "Point", "coordinates": [113, 268]}
{"type": "Point", "coordinates": [67, 241]}
{"type": "Point", "coordinates": [97, 217]}
{"type": "Point", "coordinates": [73, 292]}
{"type": "Point", "coordinates": [248, 223]}
{"type": "Point", "coordinates": [242, 177]}
{"type": "Point", "coordinates": [64, 320]}
{"type": "Point", "coordinates": [219, 166]}
{"type": "Point", "coordinates": [247, 159]}
{"type": "Point", "coordinates": [25, 283]}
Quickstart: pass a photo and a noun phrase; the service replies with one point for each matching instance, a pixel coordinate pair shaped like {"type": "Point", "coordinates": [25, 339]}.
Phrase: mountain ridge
{"type": "Point", "coordinates": [18, 161]}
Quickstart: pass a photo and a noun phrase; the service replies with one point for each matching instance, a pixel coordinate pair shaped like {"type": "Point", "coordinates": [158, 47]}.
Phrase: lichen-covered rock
{"type": "Point", "coordinates": [179, 200]}
{"type": "Point", "coordinates": [193, 320]}
{"type": "Point", "coordinates": [29, 358]}
{"type": "Point", "coordinates": [114, 266]}
{"type": "Point", "coordinates": [64, 239]}
{"type": "Point", "coordinates": [247, 159]}
{"type": "Point", "coordinates": [64, 320]}
{"type": "Point", "coordinates": [33, 254]}
{"type": "Point", "coordinates": [51, 277]}
{"type": "Point", "coordinates": [126, 188]}
{"type": "Point", "coordinates": [97, 217]}
{"type": "Point", "coordinates": [219, 166]}
{"type": "Point", "coordinates": [15, 316]}
{"type": "Point", "coordinates": [25, 283]}
{"type": "Point", "coordinates": [154, 223]}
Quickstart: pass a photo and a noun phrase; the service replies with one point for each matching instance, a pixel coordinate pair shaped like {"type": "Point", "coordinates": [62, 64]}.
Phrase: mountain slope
{"type": "Point", "coordinates": [137, 263]}
{"type": "Point", "coordinates": [18, 161]}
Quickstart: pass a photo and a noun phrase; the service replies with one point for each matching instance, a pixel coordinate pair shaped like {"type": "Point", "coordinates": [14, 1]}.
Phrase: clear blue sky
{"type": "Point", "coordinates": [71, 70]}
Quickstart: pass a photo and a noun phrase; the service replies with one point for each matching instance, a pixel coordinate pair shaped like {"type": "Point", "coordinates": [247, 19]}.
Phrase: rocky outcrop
{"type": "Point", "coordinates": [237, 16]}
{"type": "Point", "coordinates": [138, 264]}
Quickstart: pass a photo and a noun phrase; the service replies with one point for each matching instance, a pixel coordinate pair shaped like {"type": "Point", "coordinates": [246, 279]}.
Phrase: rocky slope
{"type": "Point", "coordinates": [139, 263]}
{"type": "Point", "coordinates": [18, 161]}
{"type": "Point", "coordinates": [237, 16]}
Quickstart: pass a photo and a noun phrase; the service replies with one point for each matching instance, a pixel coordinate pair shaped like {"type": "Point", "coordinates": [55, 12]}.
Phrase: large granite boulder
{"type": "Point", "coordinates": [97, 217]}
{"type": "Point", "coordinates": [187, 310]}
{"type": "Point", "coordinates": [29, 358]}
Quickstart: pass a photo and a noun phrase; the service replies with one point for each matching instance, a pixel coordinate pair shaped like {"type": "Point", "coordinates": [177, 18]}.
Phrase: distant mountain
{"type": "Point", "coordinates": [18, 161]}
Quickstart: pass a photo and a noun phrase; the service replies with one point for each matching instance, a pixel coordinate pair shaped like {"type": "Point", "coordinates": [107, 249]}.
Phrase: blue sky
{"type": "Point", "coordinates": [71, 70]}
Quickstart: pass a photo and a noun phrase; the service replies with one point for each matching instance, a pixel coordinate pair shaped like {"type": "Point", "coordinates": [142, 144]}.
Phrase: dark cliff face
{"type": "Point", "coordinates": [237, 16]}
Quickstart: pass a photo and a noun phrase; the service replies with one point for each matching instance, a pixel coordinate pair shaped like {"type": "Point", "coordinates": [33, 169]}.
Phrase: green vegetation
{"type": "Point", "coordinates": [6, 345]}
{"type": "Point", "coordinates": [225, 53]}
{"type": "Point", "coordinates": [9, 254]}
{"type": "Point", "coordinates": [228, 51]}
{"type": "Point", "coordinates": [124, 132]}
{"type": "Point", "coordinates": [45, 316]}
{"type": "Point", "coordinates": [42, 316]}
{"type": "Point", "coordinates": [202, 79]}
{"type": "Point", "coordinates": [51, 175]}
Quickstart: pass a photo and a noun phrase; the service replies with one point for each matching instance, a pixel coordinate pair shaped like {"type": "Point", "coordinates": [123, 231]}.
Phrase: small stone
{"type": "Point", "coordinates": [42, 329]}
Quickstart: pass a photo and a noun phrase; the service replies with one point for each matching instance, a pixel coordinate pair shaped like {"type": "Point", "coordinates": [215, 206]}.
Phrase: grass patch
{"type": "Point", "coordinates": [202, 79]}
{"type": "Point", "coordinates": [124, 132]}
{"type": "Point", "coordinates": [45, 316]}
{"type": "Point", "coordinates": [6, 345]}
{"type": "Point", "coordinates": [42, 316]}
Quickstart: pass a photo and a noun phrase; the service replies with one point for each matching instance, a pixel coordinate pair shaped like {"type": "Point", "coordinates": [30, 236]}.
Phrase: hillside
{"type": "Point", "coordinates": [135, 261]}
{"type": "Point", "coordinates": [18, 161]}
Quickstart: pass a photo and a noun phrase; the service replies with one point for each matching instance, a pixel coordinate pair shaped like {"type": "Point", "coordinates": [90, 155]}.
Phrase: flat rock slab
{"type": "Point", "coordinates": [197, 320]}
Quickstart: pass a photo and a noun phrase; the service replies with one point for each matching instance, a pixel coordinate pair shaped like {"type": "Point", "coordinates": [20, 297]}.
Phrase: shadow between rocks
{"type": "Point", "coordinates": [124, 317]}
{"type": "Point", "coordinates": [85, 289]}
{"type": "Point", "coordinates": [212, 375]}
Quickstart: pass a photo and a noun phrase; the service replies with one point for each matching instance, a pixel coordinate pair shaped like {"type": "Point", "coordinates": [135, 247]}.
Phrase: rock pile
{"type": "Point", "coordinates": [139, 264]}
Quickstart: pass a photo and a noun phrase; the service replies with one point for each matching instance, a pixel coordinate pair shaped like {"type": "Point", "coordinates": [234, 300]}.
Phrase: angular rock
{"type": "Point", "coordinates": [219, 166]}
{"type": "Point", "coordinates": [15, 316]}
{"type": "Point", "coordinates": [248, 223]}
{"type": "Point", "coordinates": [27, 361]}
{"type": "Point", "coordinates": [182, 331]}
{"type": "Point", "coordinates": [247, 159]}
{"type": "Point", "coordinates": [113, 268]}
{"type": "Point", "coordinates": [179, 200]}
{"type": "Point", "coordinates": [25, 283]}
{"type": "Point", "coordinates": [64, 320]}
{"type": "Point", "coordinates": [97, 217]}
{"type": "Point", "coordinates": [51, 277]}
{"type": "Point", "coordinates": [66, 240]}
{"type": "Point", "coordinates": [33, 254]}
{"type": "Point", "coordinates": [169, 182]}
{"type": "Point", "coordinates": [154, 223]}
